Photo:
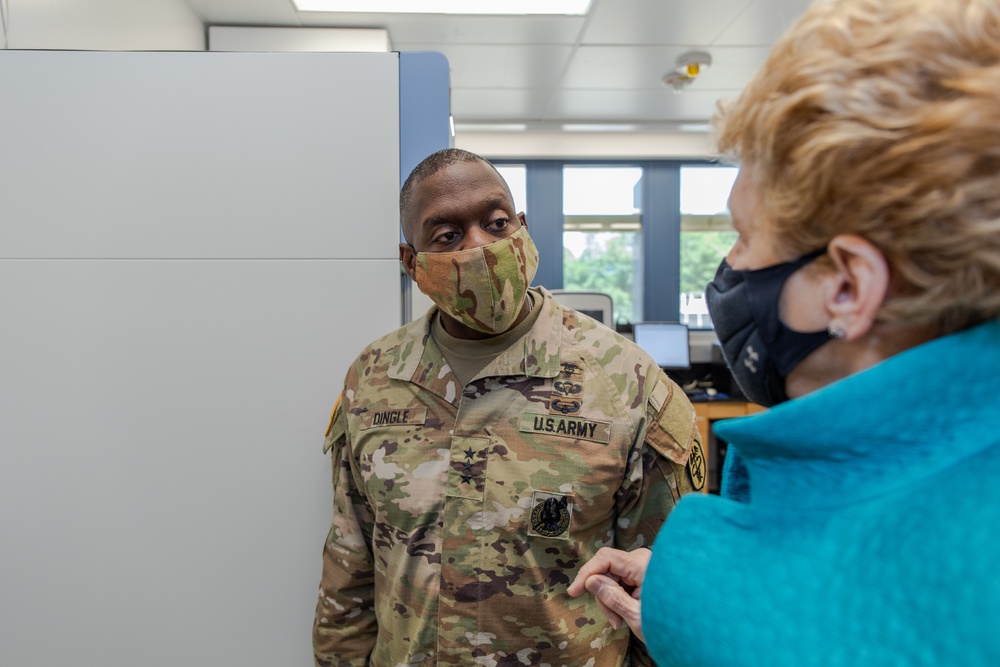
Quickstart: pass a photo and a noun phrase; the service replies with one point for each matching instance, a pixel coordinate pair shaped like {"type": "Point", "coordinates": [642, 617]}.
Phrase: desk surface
{"type": "Point", "coordinates": [712, 410]}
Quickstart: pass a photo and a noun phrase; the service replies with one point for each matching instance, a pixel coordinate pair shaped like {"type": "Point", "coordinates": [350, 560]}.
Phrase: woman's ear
{"type": "Point", "coordinates": [858, 285]}
{"type": "Point", "coordinates": [408, 257]}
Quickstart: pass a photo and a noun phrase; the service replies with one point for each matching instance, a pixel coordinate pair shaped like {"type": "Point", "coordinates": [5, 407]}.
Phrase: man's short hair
{"type": "Point", "coordinates": [429, 166]}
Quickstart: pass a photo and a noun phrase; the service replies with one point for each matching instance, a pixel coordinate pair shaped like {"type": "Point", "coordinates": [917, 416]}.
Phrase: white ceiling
{"type": "Point", "coordinates": [547, 71]}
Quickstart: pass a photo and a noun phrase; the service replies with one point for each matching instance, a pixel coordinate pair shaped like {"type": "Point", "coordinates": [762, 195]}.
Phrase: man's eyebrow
{"type": "Point", "coordinates": [487, 205]}
{"type": "Point", "coordinates": [497, 202]}
{"type": "Point", "coordinates": [435, 220]}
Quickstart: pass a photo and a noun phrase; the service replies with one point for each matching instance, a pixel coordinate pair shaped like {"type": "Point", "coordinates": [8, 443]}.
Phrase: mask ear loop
{"type": "Point", "coordinates": [765, 285]}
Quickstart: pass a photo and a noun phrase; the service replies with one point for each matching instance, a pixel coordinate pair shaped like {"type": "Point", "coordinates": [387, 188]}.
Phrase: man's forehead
{"type": "Point", "coordinates": [469, 173]}
{"type": "Point", "coordinates": [451, 188]}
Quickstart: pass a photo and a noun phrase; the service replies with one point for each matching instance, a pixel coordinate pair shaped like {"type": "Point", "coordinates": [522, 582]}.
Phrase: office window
{"type": "Point", "coordinates": [602, 234]}
{"type": "Point", "coordinates": [516, 177]}
{"type": "Point", "coordinates": [706, 236]}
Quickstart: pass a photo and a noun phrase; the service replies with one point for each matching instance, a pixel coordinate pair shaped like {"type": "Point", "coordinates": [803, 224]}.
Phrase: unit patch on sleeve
{"type": "Point", "coordinates": [550, 514]}
{"type": "Point", "coordinates": [394, 417]}
{"type": "Point", "coordinates": [696, 466]}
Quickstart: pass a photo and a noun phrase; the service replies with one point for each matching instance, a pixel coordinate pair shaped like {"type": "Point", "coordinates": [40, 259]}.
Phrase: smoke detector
{"type": "Point", "coordinates": [689, 66]}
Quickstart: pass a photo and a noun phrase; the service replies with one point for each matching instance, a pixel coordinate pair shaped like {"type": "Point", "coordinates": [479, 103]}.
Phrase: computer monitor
{"type": "Point", "coordinates": [666, 342]}
{"type": "Point", "coordinates": [595, 304]}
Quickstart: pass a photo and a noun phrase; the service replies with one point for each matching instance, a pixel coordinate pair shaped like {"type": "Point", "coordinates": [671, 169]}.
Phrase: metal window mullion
{"type": "Point", "coordinates": [661, 236]}
{"type": "Point", "coordinates": [544, 185]}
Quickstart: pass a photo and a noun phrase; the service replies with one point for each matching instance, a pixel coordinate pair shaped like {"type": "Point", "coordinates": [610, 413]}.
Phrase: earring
{"type": "Point", "coordinates": [836, 332]}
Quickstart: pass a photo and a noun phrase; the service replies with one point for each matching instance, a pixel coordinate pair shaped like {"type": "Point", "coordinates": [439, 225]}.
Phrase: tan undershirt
{"type": "Point", "coordinates": [468, 357]}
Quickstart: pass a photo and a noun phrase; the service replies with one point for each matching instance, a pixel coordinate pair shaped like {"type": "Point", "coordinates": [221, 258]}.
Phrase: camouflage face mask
{"type": "Point", "coordinates": [483, 288]}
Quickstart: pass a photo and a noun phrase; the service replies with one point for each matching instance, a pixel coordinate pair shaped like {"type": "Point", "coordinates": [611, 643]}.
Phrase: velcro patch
{"type": "Point", "coordinates": [394, 417]}
{"type": "Point", "coordinates": [333, 414]}
{"type": "Point", "coordinates": [551, 514]}
{"type": "Point", "coordinates": [338, 425]}
{"type": "Point", "coordinates": [674, 434]}
{"type": "Point", "coordinates": [673, 430]}
{"type": "Point", "coordinates": [566, 427]}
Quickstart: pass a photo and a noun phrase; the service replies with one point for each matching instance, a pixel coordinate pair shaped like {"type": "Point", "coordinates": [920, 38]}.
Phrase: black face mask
{"type": "Point", "coordinates": [760, 350]}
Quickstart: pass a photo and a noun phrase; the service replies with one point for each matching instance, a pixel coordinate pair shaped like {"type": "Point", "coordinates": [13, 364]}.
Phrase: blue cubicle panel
{"type": "Point", "coordinates": [424, 127]}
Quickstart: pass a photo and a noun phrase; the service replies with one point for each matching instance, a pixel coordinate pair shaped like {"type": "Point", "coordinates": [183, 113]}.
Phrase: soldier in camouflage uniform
{"type": "Point", "coordinates": [482, 453]}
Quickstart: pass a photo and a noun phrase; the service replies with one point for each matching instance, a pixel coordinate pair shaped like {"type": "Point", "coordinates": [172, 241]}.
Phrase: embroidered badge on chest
{"type": "Point", "coordinates": [551, 514]}
{"type": "Point", "coordinates": [567, 390]}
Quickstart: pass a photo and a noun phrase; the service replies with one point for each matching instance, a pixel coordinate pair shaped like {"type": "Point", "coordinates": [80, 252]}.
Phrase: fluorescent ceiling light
{"type": "Point", "coordinates": [514, 7]}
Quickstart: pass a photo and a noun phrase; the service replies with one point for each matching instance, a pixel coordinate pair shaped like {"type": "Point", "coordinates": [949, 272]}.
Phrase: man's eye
{"type": "Point", "coordinates": [500, 223]}
{"type": "Point", "coordinates": [446, 237]}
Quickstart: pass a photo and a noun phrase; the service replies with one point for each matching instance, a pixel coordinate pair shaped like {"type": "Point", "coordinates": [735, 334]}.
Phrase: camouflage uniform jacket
{"type": "Point", "coordinates": [462, 514]}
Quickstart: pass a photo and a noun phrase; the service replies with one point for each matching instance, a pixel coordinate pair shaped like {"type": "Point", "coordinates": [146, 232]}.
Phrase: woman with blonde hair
{"type": "Point", "coordinates": [858, 523]}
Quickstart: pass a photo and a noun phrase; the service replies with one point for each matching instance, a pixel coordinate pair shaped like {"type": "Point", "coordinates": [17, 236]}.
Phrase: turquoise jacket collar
{"type": "Point", "coordinates": [910, 416]}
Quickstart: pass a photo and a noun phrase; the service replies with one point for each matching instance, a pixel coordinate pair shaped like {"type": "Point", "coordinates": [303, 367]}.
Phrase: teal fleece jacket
{"type": "Point", "coordinates": [859, 526]}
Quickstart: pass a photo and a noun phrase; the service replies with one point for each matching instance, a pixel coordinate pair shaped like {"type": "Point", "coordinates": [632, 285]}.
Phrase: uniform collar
{"type": "Point", "coordinates": [911, 416]}
{"type": "Point", "coordinates": [418, 358]}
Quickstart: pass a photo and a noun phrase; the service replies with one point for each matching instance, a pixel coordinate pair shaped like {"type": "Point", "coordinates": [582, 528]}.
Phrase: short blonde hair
{"type": "Point", "coordinates": [881, 118]}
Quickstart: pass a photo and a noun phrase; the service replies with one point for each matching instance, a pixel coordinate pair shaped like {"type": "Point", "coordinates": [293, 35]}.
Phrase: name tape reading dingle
{"type": "Point", "coordinates": [405, 416]}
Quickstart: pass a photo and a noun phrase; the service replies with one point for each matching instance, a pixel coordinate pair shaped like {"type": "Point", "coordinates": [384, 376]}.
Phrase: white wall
{"type": "Point", "coordinates": [109, 25]}
{"type": "Point", "coordinates": [193, 247]}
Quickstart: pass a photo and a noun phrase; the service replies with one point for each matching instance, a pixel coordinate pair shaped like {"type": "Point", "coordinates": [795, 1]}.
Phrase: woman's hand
{"type": "Point", "coordinates": [614, 577]}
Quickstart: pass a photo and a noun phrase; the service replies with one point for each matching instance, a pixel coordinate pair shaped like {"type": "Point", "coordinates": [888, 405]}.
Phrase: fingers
{"type": "Point", "coordinates": [628, 567]}
{"type": "Point", "coordinates": [601, 563]}
{"type": "Point", "coordinates": [617, 604]}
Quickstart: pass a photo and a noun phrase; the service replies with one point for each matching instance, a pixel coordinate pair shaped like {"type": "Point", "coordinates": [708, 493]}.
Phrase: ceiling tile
{"type": "Point", "coordinates": [641, 106]}
{"type": "Point", "coordinates": [762, 22]}
{"type": "Point", "coordinates": [604, 67]}
{"type": "Point", "coordinates": [460, 29]}
{"type": "Point", "coordinates": [643, 67]}
{"type": "Point", "coordinates": [690, 22]}
{"type": "Point", "coordinates": [490, 104]}
{"type": "Point", "coordinates": [530, 66]}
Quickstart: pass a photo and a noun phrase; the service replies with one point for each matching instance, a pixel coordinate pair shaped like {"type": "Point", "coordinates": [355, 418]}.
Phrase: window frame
{"type": "Point", "coordinates": [661, 224]}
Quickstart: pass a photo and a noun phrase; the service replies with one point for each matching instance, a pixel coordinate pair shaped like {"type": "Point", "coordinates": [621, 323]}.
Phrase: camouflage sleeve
{"type": "Point", "coordinates": [662, 467]}
{"type": "Point", "coordinates": [665, 463]}
{"type": "Point", "coordinates": [345, 626]}
{"type": "Point", "coordinates": [673, 435]}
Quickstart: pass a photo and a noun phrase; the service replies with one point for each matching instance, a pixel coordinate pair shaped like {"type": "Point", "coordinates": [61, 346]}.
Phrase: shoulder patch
{"type": "Point", "coordinates": [672, 431]}
{"type": "Point", "coordinates": [338, 425]}
{"type": "Point", "coordinates": [333, 414]}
